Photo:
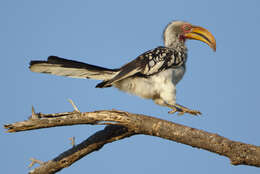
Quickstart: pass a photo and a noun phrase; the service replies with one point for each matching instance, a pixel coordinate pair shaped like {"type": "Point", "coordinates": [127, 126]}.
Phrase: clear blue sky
{"type": "Point", "coordinates": [224, 85]}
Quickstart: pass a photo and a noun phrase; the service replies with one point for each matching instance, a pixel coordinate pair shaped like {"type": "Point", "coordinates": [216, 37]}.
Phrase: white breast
{"type": "Point", "coordinates": [161, 84]}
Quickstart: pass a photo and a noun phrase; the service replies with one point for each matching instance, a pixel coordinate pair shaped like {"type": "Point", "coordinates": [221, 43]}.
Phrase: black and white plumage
{"type": "Point", "coordinates": [152, 75]}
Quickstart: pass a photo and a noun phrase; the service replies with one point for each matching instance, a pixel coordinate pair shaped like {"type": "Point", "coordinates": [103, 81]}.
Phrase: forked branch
{"type": "Point", "coordinates": [124, 124]}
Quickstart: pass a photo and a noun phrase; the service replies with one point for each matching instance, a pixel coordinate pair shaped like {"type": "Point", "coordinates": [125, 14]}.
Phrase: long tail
{"type": "Point", "coordinates": [70, 68]}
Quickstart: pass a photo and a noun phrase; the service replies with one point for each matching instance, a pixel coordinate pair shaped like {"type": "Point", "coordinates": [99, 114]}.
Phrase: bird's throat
{"type": "Point", "coordinates": [182, 39]}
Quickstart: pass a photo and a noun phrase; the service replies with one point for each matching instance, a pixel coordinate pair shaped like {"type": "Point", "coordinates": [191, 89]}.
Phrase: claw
{"type": "Point", "coordinates": [180, 113]}
{"type": "Point", "coordinates": [172, 111]}
{"type": "Point", "coordinates": [182, 110]}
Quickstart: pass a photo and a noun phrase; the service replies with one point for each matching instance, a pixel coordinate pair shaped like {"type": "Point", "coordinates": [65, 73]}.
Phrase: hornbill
{"type": "Point", "coordinates": [152, 75]}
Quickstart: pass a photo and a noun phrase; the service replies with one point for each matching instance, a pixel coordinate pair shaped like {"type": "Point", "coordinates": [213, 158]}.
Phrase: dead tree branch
{"type": "Point", "coordinates": [124, 124]}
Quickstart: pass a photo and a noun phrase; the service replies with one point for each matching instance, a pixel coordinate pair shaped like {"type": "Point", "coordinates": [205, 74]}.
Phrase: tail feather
{"type": "Point", "coordinates": [103, 84]}
{"type": "Point", "coordinates": [70, 68]}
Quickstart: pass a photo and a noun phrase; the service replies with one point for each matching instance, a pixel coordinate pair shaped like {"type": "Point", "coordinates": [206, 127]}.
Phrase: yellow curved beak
{"type": "Point", "coordinates": [199, 33]}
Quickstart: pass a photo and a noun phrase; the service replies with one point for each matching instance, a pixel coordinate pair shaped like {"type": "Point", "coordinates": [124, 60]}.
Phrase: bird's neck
{"type": "Point", "coordinates": [177, 45]}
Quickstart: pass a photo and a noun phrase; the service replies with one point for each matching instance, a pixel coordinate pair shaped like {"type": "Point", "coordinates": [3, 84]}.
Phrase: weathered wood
{"type": "Point", "coordinates": [123, 124]}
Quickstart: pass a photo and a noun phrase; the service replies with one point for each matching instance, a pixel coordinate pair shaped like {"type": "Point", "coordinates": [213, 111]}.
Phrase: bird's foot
{"type": "Point", "coordinates": [182, 110]}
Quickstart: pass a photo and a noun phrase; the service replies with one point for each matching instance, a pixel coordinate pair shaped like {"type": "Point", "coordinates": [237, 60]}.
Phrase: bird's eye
{"type": "Point", "coordinates": [186, 27]}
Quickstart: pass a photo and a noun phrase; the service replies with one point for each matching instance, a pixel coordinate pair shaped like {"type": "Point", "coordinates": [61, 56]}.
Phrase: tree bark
{"type": "Point", "coordinates": [123, 124]}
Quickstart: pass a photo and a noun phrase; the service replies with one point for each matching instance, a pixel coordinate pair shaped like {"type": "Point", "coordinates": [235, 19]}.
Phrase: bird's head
{"type": "Point", "coordinates": [178, 31]}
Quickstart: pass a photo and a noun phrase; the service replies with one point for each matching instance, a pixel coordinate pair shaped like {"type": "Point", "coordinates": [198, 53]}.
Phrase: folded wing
{"type": "Point", "coordinates": [149, 63]}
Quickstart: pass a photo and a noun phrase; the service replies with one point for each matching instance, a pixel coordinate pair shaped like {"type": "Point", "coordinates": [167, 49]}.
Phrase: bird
{"type": "Point", "coordinates": [152, 75]}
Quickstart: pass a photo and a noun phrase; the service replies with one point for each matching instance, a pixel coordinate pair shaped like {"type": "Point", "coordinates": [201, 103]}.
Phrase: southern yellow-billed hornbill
{"type": "Point", "coordinates": [152, 75]}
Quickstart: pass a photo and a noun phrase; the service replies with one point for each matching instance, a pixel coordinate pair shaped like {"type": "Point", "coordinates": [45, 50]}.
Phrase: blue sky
{"type": "Point", "coordinates": [224, 85]}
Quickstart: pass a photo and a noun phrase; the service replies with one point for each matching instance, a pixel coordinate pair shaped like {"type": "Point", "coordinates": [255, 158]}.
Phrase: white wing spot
{"type": "Point", "coordinates": [151, 63]}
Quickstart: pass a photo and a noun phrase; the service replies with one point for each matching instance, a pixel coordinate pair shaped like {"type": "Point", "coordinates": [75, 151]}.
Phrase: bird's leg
{"type": "Point", "coordinates": [181, 110]}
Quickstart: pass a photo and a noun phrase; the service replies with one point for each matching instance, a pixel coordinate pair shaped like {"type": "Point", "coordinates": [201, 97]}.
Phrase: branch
{"type": "Point", "coordinates": [123, 124]}
{"type": "Point", "coordinates": [93, 143]}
